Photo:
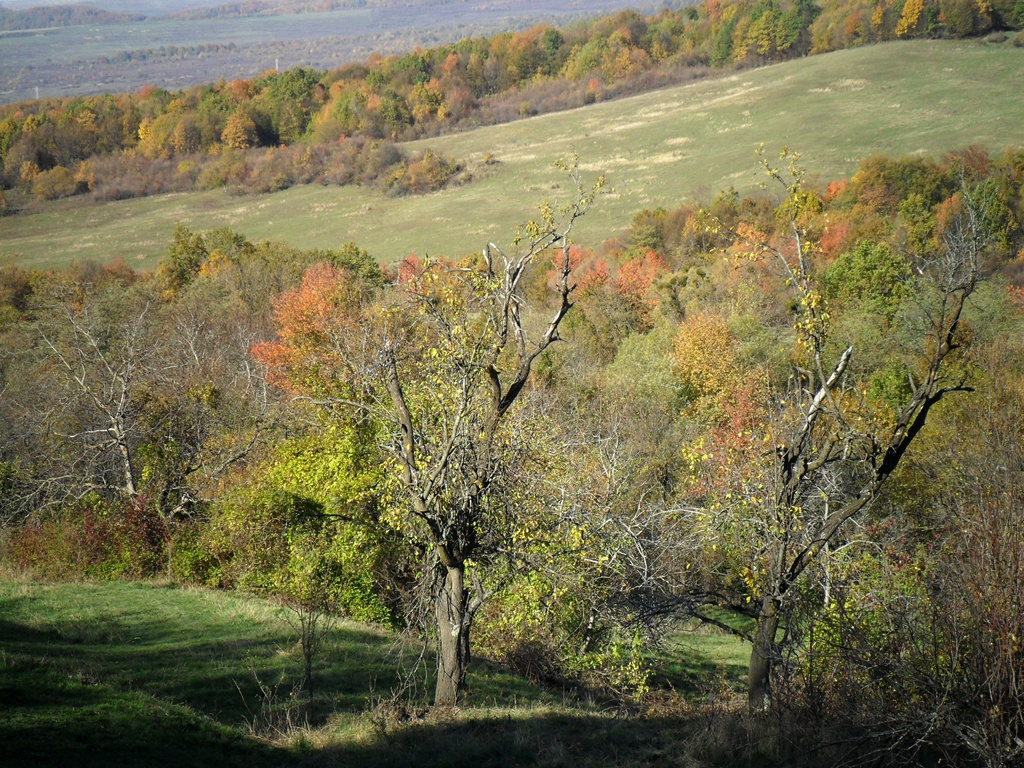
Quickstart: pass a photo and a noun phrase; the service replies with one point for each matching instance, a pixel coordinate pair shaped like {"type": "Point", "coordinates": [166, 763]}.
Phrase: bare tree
{"type": "Point", "coordinates": [451, 453]}
{"type": "Point", "coordinates": [829, 460]}
{"type": "Point", "coordinates": [124, 395]}
{"type": "Point", "coordinates": [94, 351]}
{"type": "Point", "coordinates": [438, 366]}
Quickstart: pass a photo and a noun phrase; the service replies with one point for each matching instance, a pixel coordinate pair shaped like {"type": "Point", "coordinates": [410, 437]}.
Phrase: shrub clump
{"type": "Point", "coordinates": [93, 539]}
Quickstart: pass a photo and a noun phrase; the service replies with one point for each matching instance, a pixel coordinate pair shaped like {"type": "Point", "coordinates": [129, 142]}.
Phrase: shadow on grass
{"type": "Point", "coordinates": [50, 718]}
{"type": "Point", "coordinates": [696, 663]}
{"type": "Point", "coordinates": [683, 736]}
{"type": "Point", "coordinates": [218, 665]}
{"type": "Point", "coordinates": [519, 739]}
{"type": "Point", "coordinates": [135, 675]}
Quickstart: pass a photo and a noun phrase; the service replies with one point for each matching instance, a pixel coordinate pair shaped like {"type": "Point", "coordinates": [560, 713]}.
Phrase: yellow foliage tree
{"type": "Point", "coordinates": [703, 355]}
{"type": "Point", "coordinates": [878, 16]}
{"type": "Point", "coordinates": [239, 132]}
{"type": "Point", "coordinates": [909, 18]}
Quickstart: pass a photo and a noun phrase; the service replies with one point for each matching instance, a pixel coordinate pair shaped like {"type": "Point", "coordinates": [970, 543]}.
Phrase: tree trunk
{"type": "Point", "coordinates": [453, 624]}
{"type": "Point", "coordinates": [761, 655]}
{"type": "Point", "coordinates": [308, 652]}
{"type": "Point", "coordinates": [126, 461]}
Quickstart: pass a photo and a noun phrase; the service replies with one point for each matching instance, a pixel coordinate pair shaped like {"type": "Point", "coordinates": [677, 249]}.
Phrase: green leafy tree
{"type": "Point", "coordinates": [185, 255]}
{"type": "Point", "coordinates": [871, 276]}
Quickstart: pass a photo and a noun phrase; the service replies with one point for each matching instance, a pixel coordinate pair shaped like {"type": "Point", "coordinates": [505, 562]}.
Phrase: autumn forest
{"type": "Point", "coordinates": [775, 431]}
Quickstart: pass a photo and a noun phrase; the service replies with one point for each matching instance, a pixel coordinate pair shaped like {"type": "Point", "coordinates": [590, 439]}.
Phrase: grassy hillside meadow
{"type": "Point", "coordinates": [122, 674]}
{"type": "Point", "coordinates": [655, 149]}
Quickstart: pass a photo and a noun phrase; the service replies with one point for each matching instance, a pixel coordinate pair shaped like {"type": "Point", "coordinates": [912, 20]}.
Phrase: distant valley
{"type": "Point", "coordinates": [175, 49]}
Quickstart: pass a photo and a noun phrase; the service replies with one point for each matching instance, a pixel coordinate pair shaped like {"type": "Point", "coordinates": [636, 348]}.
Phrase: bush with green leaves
{"type": "Point", "coordinates": [311, 524]}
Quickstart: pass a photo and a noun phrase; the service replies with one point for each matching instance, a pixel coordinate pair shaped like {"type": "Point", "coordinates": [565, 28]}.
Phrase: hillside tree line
{"type": "Point", "coordinates": [303, 126]}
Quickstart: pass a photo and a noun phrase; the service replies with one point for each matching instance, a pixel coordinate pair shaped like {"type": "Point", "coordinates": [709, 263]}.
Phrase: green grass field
{"type": "Point", "coordinates": [128, 674]}
{"type": "Point", "coordinates": [656, 150]}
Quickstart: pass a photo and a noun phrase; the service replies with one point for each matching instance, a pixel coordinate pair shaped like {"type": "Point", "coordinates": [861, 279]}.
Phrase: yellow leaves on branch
{"type": "Point", "coordinates": [813, 321]}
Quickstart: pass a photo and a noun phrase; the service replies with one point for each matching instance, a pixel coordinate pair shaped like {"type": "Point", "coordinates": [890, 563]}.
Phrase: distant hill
{"type": "Point", "coordinates": [50, 16]}
{"type": "Point", "coordinates": [248, 8]}
{"type": "Point", "coordinates": [252, 34]}
{"type": "Point", "coordinates": [656, 149]}
{"type": "Point", "coordinates": [128, 7]}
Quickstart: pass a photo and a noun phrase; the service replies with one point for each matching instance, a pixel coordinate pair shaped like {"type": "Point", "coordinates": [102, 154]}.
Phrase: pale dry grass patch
{"type": "Point", "coordinates": [625, 127]}
{"type": "Point", "coordinates": [847, 84]}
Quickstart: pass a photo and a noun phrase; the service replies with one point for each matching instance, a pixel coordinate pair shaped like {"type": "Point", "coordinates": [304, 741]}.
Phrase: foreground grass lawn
{"type": "Point", "coordinates": [128, 674]}
{"type": "Point", "coordinates": [51, 717]}
{"type": "Point", "coordinates": [125, 674]}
